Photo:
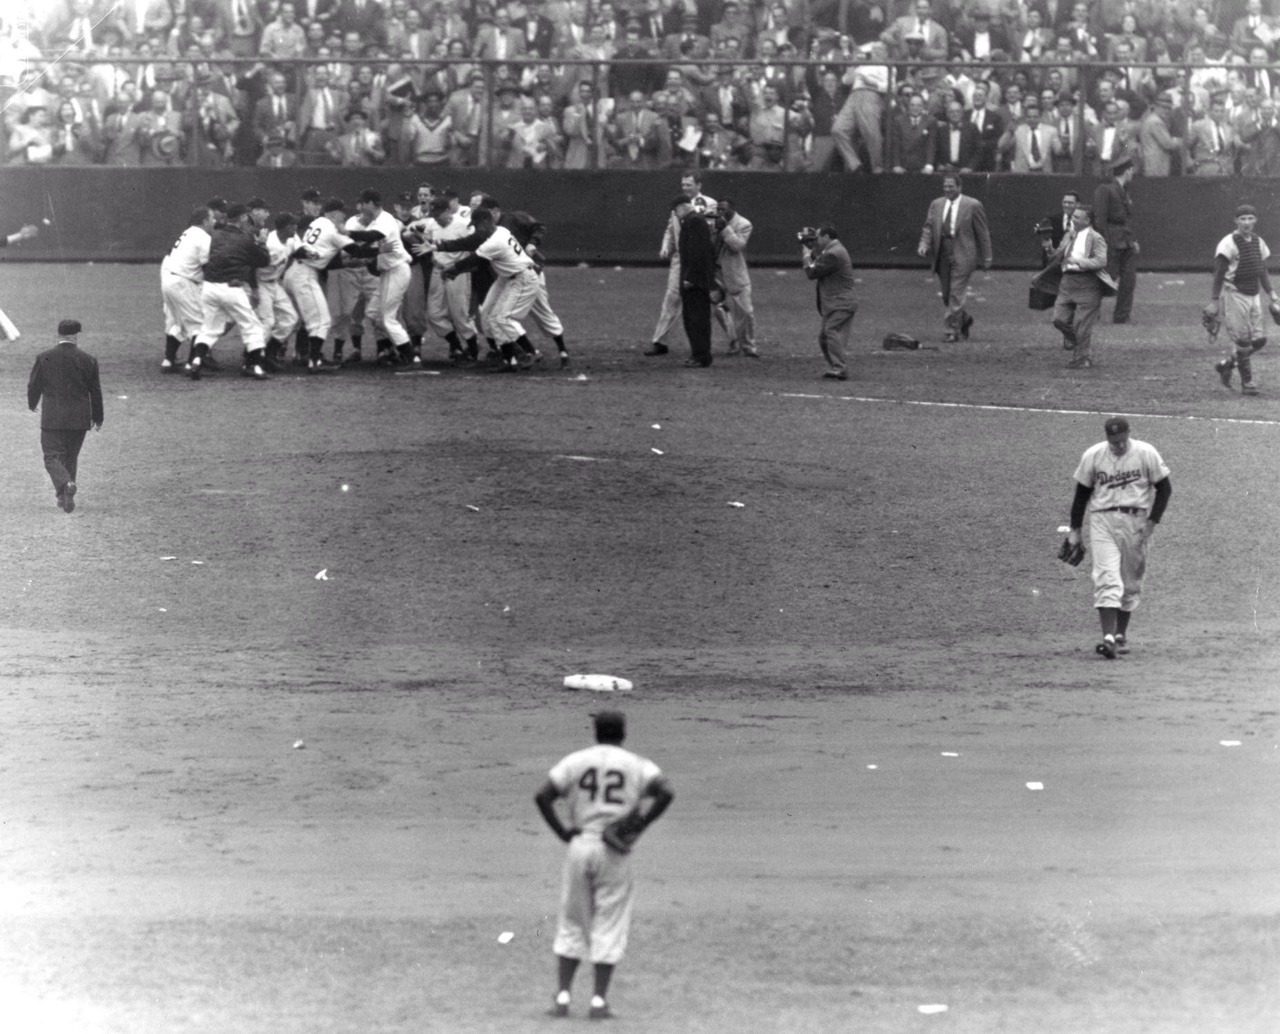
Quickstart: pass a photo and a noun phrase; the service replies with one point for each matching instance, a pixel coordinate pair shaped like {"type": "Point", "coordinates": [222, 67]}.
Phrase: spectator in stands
{"type": "Point", "coordinates": [1031, 142]}
{"type": "Point", "coordinates": [981, 38]}
{"type": "Point", "coordinates": [685, 41]}
{"type": "Point", "coordinates": [238, 24]}
{"type": "Point", "coordinates": [1158, 144]}
{"type": "Point", "coordinates": [827, 95]}
{"type": "Point", "coordinates": [73, 141]}
{"type": "Point", "coordinates": [358, 146]}
{"type": "Point", "coordinates": [912, 136]}
{"type": "Point", "coordinates": [277, 111]}
{"type": "Point", "coordinates": [159, 130]}
{"type": "Point", "coordinates": [496, 39]}
{"type": "Point", "coordinates": [538, 30]}
{"type": "Point", "coordinates": [275, 155]}
{"type": "Point", "coordinates": [363, 17]}
{"type": "Point", "coordinates": [529, 142]}
{"type": "Point", "coordinates": [1212, 145]}
{"type": "Point", "coordinates": [1138, 43]}
{"type": "Point", "coordinates": [433, 144]}
{"type": "Point", "coordinates": [211, 126]}
{"type": "Point", "coordinates": [719, 146]}
{"type": "Point", "coordinates": [623, 79]}
{"type": "Point", "coordinates": [1064, 121]}
{"type": "Point", "coordinates": [1261, 137]}
{"type": "Point", "coordinates": [468, 110]}
{"type": "Point", "coordinates": [584, 129]}
{"type": "Point", "coordinates": [119, 129]}
{"type": "Point", "coordinates": [734, 24]}
{"type": "Point", "coordinates": [633, 134]}
{"type": "Point", "coordinates": [956, 143]}
{"type": "Point", "coordinates": [990, 127]}
{"type": "Point", "coordinates": [777, 134]}
{"type": "Point", "coordinates": [1035, 39]}
{"type": "Point", "coordinates": [1110, 141]}
{"type": "Point", "coordinates": [31, 141]}
{"type": "Point", "coordinates": [919, 24]}
{"type": "Point", "coordinates": [863, 110]}
{"type": "Point", "coordinates": [773, 21]}
{"type": "Point", "coordinates": [318, 118]}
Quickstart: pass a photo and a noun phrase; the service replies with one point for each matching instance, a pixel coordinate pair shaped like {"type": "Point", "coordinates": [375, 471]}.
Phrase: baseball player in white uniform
{"type": "Point", "coordinates": [1239, 275]}
{"type": "Point", "coordinates": [275, 310]}
{"type": "Point", "coordinates": [230, 280]}
{"type": "Point", "coordinates": [321, 241]}
{"type": "Point", "coordinates": [690, 187]}
{"type": "Point", "coordinates": [393, 279]}
{"type": "Point", "coordinates": [181, 274]}
{"type": "Point", "coordinates": [448, 299]}
{"type": "Point", "coordinates": [351, 291]}
{"type": "Point", "coordinates": [8, 329]}
{"type": "Point", "coordinates": [598, 785]}
{"type": "Point", "coordinates": [1124, 486]}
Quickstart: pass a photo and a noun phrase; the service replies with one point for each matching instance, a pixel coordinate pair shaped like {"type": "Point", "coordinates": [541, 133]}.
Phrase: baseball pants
{"type": "Point", "coordinates": [1242, 316]}
{"type": "Point", "coordinates": [862, 110]}
{"type": "Point", "coordinates": [1077, 308]}
{"type": "Point", "coordinates": [303, 285]}
{"type": "Point", "coordinates": [833, 337]}
{"type": "Point", "coordinates": [61, 450]}
{"type": "Point", "coordinates": [955, 286]}
{"type": "Point", "coordinates": [1119, 558]}
{"type": "Point", "coordinates": [1122, 264]}
{"type": "Point", "coordinates": [543, 316]}
{"type": "Point", "coordinates": [508, 302]}
{"type": "Point", "coordinates": [221, 303]}
{"type": "Point", "coordinates": [670, 303]}
{"type": "Point", "coordinates": [414, 312]}
{"type": "Point", "coordinates": [384, 310]}
{"type": "Point", "coordinates": [739, 318]}
{"type": "Point", "coordinates": [350, 297]}
{"type": "Point", "coordinates": [595, 902]}
{"type": "Point", "coordinates": [275, 311]}
{"type": "Point", "coordinates": [183, 315]}
{"type": "Point", "coordinates": [449, 305]}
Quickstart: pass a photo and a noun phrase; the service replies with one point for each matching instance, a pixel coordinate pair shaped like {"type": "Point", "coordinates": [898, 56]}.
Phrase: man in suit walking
{"type": "Point", "coordinates": [827, 262]}
{"type": "Point", "coordinates": [67, 379]}
{"type": "Point", "coordinates": [1080, 267]}
{"type": "Point", "coordinates": [954, 238]}
{"type": "Point", "coordinates": [697, 277]}
{"type": "Point", "coordinates": [1112, 216]}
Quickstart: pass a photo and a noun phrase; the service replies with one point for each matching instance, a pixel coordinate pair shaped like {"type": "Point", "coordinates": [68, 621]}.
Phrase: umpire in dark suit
{"type": "Point", "coordinates": [67, 379]}
{"type": "Point", "coordinates": [697, 277]}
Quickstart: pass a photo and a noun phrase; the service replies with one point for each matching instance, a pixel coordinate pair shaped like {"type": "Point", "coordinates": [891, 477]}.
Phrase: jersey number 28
{"type": "Point", "coordinates": [614, 781]}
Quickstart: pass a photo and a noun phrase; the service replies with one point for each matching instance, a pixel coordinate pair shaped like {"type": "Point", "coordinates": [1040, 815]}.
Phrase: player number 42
{"type": "Point", "coordinates": [614, 782]}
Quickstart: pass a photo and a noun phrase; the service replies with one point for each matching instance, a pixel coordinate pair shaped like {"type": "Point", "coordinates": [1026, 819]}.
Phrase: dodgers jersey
{"type": "Point", "coordinates": [189, 254]}
{"type": "Point", "coordinates": [325, 239]}
{"type": "Point", "coordinates": [602, 783]}
{"type": "Point", "coordinates": [1126, 480]}
{"type": "Point", "coordinates": [391, 249]}
{"type": "Point", "coordinates": [504, 253]}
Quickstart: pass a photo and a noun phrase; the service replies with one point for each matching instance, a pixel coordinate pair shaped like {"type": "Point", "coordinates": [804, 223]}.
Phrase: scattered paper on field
{"type": "Point", "coordinates": [581, 377]}
{"type": "Point", "coordinates": [656, 427]}
{"type": "Point", "coordinates": [581, 459]}
{"type": "Point", "coordinates": [168, 558]}
{"type": "Point", "coordinates": [122, 397]}
{"type": "Point", "coordinates": [737, 506]}
{"type": "Point", "coordinates": [1229, 743]}
{"type": "Point", "coordinates": [505, 937]}
{"type": "Point", "coordinates": [657, 452]}
{"type": "Point", "coordinates": [198, 563]}
{"type": "Point", "coordinates": [950, 754]}
{"type": "Point", "coordinates": [930, 1010]}
{"type": "Point", "coordinates": [322, 575]}
{"type": "Point", "coordinates": [1063, 529]}
{"type": "Point", "coordinates": [298, 745]}
{"type": "Point", "coordinates": [474, 508]}
{"type": "Point", "coordinates": [873, 766]}
{"type": "Point", "coordinates": [1035, 786]}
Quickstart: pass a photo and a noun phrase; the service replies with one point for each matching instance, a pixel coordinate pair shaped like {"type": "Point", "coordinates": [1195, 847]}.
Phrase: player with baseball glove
{"type": "Point", "coordinates": [1072, 549]}
{"type": "Point", "coordinates": [612, 796]}
{"type": "Point", "coordinates": [1239, 274]}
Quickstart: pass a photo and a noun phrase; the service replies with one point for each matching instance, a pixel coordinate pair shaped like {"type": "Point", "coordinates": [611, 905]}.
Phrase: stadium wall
{"type": "Point", "coordinates": [133, 215]}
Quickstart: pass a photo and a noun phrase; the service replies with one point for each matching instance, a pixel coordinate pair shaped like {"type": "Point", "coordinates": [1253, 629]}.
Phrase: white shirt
{"type": "Point", "coordinates": [279, 252]}
{"type": "Point", "coordinates": [325, 240]}
{"type": "Point", "coordinates": [1126, 480]}
{"type": "Point", "coordinates": [1079, 247]}
{"type": "Point", "coordinates": [189, 254]}
{"type": "Point", "coordinates": [505, 254]}
{"type": "Point", "coordinates": [456, 230]}
{"type": "Point", "coordinates": [602, 783]}
{"type": "Point", "coordinates": [391, 249]}
{"type": "Point", "coordinates": [1228, 249]}
{"type": "Point", "coordinates": [1108, 143]}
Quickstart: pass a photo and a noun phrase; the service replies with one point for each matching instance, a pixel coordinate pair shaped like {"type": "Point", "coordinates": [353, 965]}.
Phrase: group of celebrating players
{"type": "Point", "coordinates": [430, 263]}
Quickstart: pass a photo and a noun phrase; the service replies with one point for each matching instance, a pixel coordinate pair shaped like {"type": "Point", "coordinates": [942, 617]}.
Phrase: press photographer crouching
{"type": "Point", "coordinates": [826, 261]}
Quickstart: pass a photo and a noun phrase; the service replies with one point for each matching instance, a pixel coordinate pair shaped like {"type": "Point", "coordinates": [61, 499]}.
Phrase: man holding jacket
{"type": "Point", "coordinates": [1081, 259]}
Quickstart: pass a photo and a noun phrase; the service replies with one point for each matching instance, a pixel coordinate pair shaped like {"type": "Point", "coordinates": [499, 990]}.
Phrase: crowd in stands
{"type": "Point", "coordinates": [900, 86]}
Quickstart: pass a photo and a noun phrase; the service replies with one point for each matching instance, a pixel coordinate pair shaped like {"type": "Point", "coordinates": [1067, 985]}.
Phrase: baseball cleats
{"type": "Point", "coordinates": [750, 352]}
{"type": "Point", "coordinates": [1225, 368]}
{"type": "Point", "coordinates": [254, 370]}
{"type": "Point", "coordinates": [656, 349]}
{"type": "Point", "coordinates": [169, 366]}
{"type": "Point", "coordinates": [599, 1009]}
{"type": "Point", "coordinates": [1122, 644]}
{"type": "Point", "coordinates": [1249, 389]}
{"type": "Point", "coordinates": [564, 360]}
{"type": "Point", "coordinates": [966, 322]}
{"type": "Point", "coordinates": [1107, 648]}
{"type": "Point", "coordinates": [193, 369]}
{"type": "Point", "coordinates": [69, 497]}
{"type": "Point", "coordinates": [1083, 363]}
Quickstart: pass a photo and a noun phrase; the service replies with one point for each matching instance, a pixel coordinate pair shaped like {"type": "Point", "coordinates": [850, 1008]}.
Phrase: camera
{"type": "Point", "coordinates": [808, 236]}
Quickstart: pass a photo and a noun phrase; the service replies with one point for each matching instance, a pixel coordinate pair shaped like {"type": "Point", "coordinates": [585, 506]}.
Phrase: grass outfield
{"type": "Point", "coordinates": [850, 680]}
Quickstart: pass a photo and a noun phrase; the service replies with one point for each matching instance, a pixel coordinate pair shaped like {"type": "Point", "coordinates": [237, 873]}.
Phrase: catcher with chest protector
{"type": "Point", "coordinates": [612, 796]}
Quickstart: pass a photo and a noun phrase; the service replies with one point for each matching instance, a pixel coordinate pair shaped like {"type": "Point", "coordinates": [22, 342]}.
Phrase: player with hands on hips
{"type": "Point", "coordinates": [1123, 485]}
{"type": "Point", "coordinates": [1239, 270]}
{"type": "Point", "coordinates": [600, 786]}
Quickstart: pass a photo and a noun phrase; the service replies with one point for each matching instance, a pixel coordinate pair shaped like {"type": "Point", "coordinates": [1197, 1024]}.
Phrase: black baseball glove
{"type": "Point", "coordinates": [1071, 552]}
{"type": "Point", "coordinates": [1275, 311]}
{"type": "Point", "coordinates": [1211, 317]}
{"type": "Point", "coordinates": [622, 833]}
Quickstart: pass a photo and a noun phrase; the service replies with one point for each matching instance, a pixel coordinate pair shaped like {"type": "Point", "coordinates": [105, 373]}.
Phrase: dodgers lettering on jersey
{"type": "Point", "coordinates": [601, 783]}
{"type": "Point", "coordinates": [324, 240]}
{"type": "Point", "coordinates": [1127, 480]}
{"type": "Point", "coordinates": [504, 253]}
{"type": "Point", "coordinates": [189, 254]}
{"type": "Point", "coordinates": [391, 249]}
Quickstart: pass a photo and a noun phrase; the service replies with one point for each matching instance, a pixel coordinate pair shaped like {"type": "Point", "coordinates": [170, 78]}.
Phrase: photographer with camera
{"type": "Point", "coordinates": [731, 233]}
{"type": "Point", "coordinates": [827, 262]}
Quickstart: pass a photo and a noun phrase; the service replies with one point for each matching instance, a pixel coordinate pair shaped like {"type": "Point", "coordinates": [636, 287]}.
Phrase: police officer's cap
{"type": "Point", "coordinates": [68, 328]}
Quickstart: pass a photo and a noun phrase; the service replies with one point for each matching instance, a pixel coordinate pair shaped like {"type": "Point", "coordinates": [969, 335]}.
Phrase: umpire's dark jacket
{"type": "Point", "coordinates": [697, 253]}
{"type": "Point", "coordinates": [68, 380]}
{"type": "Point", "coordinates": [234, 258]}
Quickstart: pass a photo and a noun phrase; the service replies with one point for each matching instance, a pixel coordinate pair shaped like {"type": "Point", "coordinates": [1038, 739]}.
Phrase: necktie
{"type": "Point", "coordinates": [946, 220]}
{"type": "Point", "coordinates": [1066, 136]}
{"type": "Point", "coordinates": [1035, 144]}
{"type": "Point", "coordinates": [1108, 141]}
{"type": "Point", "coordinates": [280, 108]}
{"type": "Point", "coordinates": [324, 108]}
{"type": "Point", "coordinates": [1217, 138]}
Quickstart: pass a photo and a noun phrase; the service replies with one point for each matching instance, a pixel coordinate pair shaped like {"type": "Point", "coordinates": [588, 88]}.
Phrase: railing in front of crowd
{"type": "Point", "coordinates": [799, 75]}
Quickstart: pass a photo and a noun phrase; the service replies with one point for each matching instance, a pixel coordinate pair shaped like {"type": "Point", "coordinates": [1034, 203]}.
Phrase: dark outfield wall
{"type": "Point", "coordinates": [109, 214]}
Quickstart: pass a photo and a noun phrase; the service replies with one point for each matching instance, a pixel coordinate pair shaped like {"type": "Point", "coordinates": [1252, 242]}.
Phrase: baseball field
{"type": "Point", "coordinates": [240, 797]}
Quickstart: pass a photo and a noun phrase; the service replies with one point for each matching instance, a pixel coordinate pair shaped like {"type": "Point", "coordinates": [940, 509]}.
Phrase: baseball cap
{"type": "Point", "coordinates": [256, 202]}
{"type": "Point", "coordinates": [407, 198]}
{"type": "Point", "coordinates": [1116, 425]}
{"type": "Point", "coordinates": [67, 328]}
{"type": "Point", "coordinates": [369, 196]}
{"type": "Point", "coordinates": [236, 211]}
{"type": "Point", "coordinates": [1246, 210]}
{"type": "Point", "coordinates": [312, 194]}
{"type": "Point", "coordinates": [1123, 165]}
{"type": "Point", "coordinates": [610, 724]}
{"type": "Point", "coordinates": [217, 203]}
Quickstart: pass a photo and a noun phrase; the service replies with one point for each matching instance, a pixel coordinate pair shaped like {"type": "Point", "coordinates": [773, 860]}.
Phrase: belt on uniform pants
{"type": "Point", "coordinates": [1122, 509]}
